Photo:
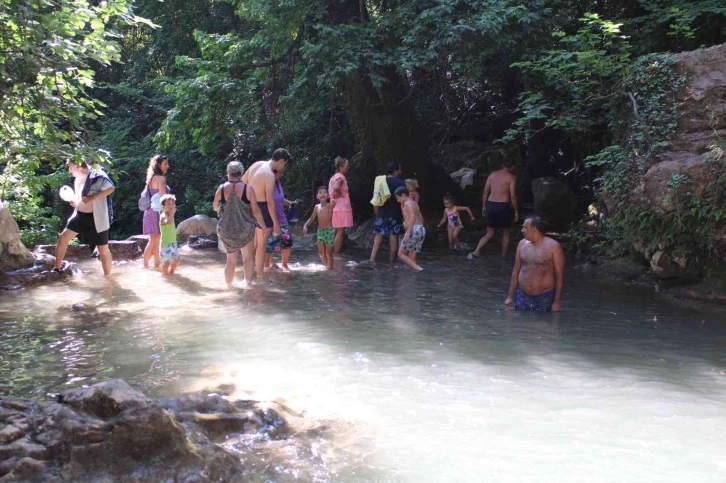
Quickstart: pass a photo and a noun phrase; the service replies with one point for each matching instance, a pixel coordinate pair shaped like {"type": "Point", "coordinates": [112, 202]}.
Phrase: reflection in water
{"type": "Point", "coordinates": [424, 377]}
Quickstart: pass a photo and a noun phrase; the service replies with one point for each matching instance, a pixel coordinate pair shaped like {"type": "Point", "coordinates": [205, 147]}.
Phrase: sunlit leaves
{"type": "Point", "coordinates": [48, 51]}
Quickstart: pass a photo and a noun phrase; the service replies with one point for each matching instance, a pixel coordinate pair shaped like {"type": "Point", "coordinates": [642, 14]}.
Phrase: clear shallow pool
{"type": "Point", "coordinates": [426, 377]}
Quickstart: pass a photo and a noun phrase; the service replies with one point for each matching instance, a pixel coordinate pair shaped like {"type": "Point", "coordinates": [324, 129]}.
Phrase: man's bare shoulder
{"type": "Point", "coordinates": [506, 175]}
{"type": "Point", "coordinates": [257, 167]}
{"type": "Point", "coordinates": [501, 175]}
{"type": "Point", "coordinates": [551, 242]}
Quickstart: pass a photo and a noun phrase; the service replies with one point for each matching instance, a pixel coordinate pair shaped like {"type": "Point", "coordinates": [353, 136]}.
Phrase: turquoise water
{"type": "Point", "coordinates": [422, 377]}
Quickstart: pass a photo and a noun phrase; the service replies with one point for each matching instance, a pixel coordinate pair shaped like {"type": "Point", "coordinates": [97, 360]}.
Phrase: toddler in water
{"type": "Point", "coordinates": [326, 233]}
{"type": "Point", "coordinates": [415, 232]}
{"type": "Point", "coordinates": [169, 250]}
{"type": "Point", "coordinates": [451, 214]}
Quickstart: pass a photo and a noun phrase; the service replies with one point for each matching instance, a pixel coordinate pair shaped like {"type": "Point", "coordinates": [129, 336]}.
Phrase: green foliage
{"type": "Point", "coordinates": [236, 79]}
{"type": "Point", "coordinates": [592, 83]}
{"type": "Point", "coordinates": [688, 230]}
{"type": "Point", "coordinates": [48, 53]}
{"type": "Point", "coordinates": [577, 83]}
{"type": "Point", "coordinates": [677, 25]}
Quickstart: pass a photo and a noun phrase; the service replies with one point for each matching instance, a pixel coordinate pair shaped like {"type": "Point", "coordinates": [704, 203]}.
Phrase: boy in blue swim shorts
{"type": "Point", "coordinates": [415, 232]}
{"type": "Point", "coordinates": [539, 271]}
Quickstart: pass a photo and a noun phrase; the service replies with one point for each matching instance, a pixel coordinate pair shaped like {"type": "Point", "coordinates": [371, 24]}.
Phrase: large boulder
{"type": "Point", "coordinates": [691, 162]}
{"type": "Point", "coordinates": [13, 254]}
{"type": "Point", "coordinates": [554, 201]}
{"type": "Point", "coordinates": [112, 432]}
{"type": "Point", "coordinates": [657, 188]}
{"type": "Point", "coordinates": [197, 225]}
{"type": "Point", "coordinates": [702, 109]}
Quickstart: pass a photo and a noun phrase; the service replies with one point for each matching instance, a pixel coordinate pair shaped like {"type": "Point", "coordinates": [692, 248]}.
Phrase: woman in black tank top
{"type": "Point", "coordinates": [236, 227]}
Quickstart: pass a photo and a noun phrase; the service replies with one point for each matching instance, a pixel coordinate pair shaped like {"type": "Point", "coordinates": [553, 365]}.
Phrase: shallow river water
{"type": "Point", "coordinates": [424, 377]}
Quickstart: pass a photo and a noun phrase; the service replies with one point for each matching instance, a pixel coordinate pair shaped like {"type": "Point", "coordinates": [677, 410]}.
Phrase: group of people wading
{"type": "Point", "coordinates": [252, 221]}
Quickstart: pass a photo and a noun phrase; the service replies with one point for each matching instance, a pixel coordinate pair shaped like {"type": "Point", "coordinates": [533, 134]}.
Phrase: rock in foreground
{"type": "Point", "coordinates": [112, 432]}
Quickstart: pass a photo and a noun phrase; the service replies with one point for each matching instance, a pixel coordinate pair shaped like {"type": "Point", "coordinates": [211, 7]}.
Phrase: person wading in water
{"type": "Point", "coordinates": [539, 271]}
{"type": "Point", "coordinates": [500, 196]}
{"type": "Point", "coordinates": [261, 177]}
{"type": "Point", "coordinates": [340, 201]}
{"type": "Point", "coordinates": [156, 180]}
{"type": "Point", "coordinates": [92, 216]}
{"type": "Point", "coordinates": [238, 210]}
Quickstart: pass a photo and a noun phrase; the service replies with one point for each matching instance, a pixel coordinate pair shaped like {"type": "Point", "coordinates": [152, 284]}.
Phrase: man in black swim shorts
{"type": "Point", "coordinates": [500, 196]}
{"type": "Point", "coordinates": [92, 216]}
{"type": "Point", "coordinates": [261, 177]}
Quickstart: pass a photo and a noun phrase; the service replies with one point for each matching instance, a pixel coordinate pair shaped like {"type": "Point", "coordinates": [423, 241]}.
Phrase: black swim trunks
{"type": "Point", "coordinates": [499, 214]}
{"type": "Point", "coordinates": [83, 224]}
{"type": "Point", "coordinates": [265, 214]}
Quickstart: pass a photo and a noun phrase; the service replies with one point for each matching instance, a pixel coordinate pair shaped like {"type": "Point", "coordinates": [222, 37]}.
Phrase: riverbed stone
{"type": "Point", "coordinates": [41, 272]}
{"type": "Point", "coordinates": [203, 242]}
{"type": "Point", "coordinates": [110, 432]}
{"type": "Point", "coordinates": [664, 265]}
{"type": "Point", "coordinates": [140, 240]}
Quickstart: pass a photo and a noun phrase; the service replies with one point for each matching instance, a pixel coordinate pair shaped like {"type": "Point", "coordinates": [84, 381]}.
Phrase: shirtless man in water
{"type": "Point", "coordinates": [500, 196]}
{"type": "Point", "coordinates": [261, 177]}
{"type": "Point", "coordinates": [539, 271]}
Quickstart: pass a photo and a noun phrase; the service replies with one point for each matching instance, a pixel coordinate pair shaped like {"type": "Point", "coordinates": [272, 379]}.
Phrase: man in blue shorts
{"type": "Point", "coordinates": [389, 217]}
{"type": "Point", "coordinates": [539, 271]}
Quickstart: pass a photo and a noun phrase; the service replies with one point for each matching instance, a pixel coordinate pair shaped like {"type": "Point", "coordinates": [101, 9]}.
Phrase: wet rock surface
{"type": "Point", "coordinates": [112, 432]}
{"type": "Point", "coordinates": [120, 249]}
{"type": "Point", "coordinates": [203, 242]}
{"type": "Point", "coordinates": [41, 272]}
{"type": "Point", "coordinates": [140, 240]}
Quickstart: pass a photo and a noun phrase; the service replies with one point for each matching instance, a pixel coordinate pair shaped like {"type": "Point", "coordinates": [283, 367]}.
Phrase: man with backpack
{"type": "Point", "coordinates": [92, 216]}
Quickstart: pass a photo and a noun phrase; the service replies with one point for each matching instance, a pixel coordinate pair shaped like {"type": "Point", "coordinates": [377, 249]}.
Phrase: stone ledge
{"type": "Point", "coordinates": [120, 249]}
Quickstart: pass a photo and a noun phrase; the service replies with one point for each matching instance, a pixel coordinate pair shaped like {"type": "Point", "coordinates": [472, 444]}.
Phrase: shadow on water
{"type": "Point", "coordinates": [459, 304]}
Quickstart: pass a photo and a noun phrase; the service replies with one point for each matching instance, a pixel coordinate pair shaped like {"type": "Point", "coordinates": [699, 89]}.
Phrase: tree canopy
{"type": "Point", "coordinates": [373, 80]}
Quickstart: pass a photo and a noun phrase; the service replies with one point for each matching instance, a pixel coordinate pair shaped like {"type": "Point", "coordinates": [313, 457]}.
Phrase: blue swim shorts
{"type": "Point", "coordinates": [541, 303]}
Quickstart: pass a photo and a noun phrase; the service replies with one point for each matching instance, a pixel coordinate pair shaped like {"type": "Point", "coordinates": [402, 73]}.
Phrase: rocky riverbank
{"type": "Point", "coordinates": [111, 432]}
